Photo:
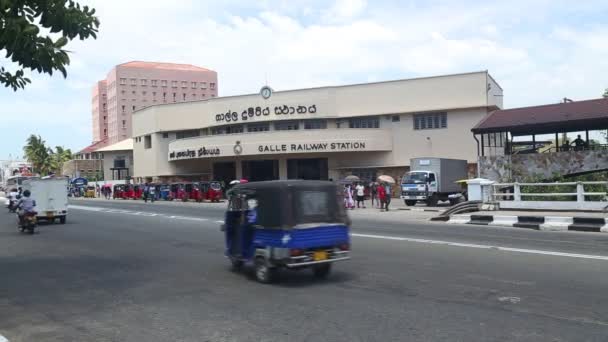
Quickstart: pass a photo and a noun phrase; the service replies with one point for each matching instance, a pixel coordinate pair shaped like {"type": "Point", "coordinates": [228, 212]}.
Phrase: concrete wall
{"type": "Point", "coordinates": [525, 167]}
{"type": "Point", "coordinates": [108, 162]}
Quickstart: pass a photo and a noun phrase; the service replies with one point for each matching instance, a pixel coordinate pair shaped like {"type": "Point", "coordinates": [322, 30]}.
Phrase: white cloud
{"type": "Point", "coordinates": [536, 55]}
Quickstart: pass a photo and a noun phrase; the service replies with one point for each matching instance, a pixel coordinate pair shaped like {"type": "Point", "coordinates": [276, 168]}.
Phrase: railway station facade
{"type": "Point", "coordinates": [318, 133]}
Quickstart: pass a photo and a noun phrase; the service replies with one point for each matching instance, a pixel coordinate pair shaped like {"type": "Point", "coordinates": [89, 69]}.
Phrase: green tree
{"type": "Point", "coordinates": [605, 93]}
{"type": "Point", "coordinates": [58, 157]}
{"type": "Point", "coordinates": [21, 23]}
{"type": "Point", "coordinates": [37, 153]}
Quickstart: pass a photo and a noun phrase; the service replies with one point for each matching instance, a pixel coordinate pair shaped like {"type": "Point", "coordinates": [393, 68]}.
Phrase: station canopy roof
{"type": "Point", "coordinates": [552, 118]}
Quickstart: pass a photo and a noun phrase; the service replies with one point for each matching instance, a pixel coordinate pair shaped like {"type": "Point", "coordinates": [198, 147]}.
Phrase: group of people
{"type": "Point", "coordinates": [379, 193]}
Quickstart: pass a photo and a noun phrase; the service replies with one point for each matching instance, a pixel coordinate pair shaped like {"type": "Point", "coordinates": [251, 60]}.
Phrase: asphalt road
{"type": "Point", "coordinates": [126, 271]}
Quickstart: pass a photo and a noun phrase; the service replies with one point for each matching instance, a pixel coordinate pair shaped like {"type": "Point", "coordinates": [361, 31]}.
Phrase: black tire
{"type": "Point", "coordinates": [236, 264]}
{"type": "Point", "coordinates": [263, 273]}
{"type": "Point", "coordinates": [62, 219]}
{"type": "Point", "coordinates": [321, 271]}
{"type": "Point", "coordinates": [410, 203]}
{"type": "Point", "coordinates": [432, 201]}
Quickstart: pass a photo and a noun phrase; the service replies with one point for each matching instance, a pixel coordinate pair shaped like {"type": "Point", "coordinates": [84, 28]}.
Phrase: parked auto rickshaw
{"type": "Point", "coordinates": [211, 191]}
{"type": "Point", "coordinates": [118, 192]}
{"type": "Point", "coordinates": [177, 191]}
{"type": "Point", "coordinates": [138, 191]}
{"type": "Point", "coordinates": [164, 192]}
{"type": "Point", "coordinates": [128, 192]}
{"type": "Point", "coordinates": [89, 191]}
{"type": "Point", "coordinates": [286, 224]}
{"type": "Point", "coordinates": [192, 192]}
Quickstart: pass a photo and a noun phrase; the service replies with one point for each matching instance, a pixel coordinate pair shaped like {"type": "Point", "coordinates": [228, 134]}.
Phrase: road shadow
{"type": "Point", "coordinates": [300, 278]}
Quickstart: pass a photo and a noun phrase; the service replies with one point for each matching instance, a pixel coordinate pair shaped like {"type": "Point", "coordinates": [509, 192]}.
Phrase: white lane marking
{"type": "Point", "coordinates": [469, 245]}
{"type": "Point", "coordinates": [136, 213]}
{"type": "Point", "coordinates": [218, 221]}
{"type": "Point", "coordinates": [3, 339]}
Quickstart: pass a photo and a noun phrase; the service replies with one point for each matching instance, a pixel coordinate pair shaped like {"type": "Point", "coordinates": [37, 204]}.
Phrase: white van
{"type": "Point", "coordinates": [51, 196]}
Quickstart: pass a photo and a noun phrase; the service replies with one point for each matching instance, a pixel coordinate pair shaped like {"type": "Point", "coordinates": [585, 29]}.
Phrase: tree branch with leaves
{"type": "Point", "coordinates": [21, 23]}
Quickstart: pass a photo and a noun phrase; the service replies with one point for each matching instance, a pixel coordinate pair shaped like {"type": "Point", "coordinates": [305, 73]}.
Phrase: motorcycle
{"type": "Point", "coordinates": [27, 222]}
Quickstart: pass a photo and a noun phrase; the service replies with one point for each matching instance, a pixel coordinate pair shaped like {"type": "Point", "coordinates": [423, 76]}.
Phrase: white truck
{"type": "Point", "coordinates": [433, 179]}
{"type": "Point", "coordinates": [51, 196]}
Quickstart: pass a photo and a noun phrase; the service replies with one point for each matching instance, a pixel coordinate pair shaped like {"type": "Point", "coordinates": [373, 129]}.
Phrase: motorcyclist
{"type": "Point", "coordinates": [26, 206]}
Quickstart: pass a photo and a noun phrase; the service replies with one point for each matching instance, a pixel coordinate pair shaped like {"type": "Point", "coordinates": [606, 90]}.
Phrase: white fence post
{"type": "Point", "coordinates": [516, 192]}
{"type": "Point", "coordinates": [580, 192]}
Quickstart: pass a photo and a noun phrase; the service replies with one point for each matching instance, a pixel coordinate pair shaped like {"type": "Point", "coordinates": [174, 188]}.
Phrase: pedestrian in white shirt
{"type": "Point", "coordinates": [360, 189]}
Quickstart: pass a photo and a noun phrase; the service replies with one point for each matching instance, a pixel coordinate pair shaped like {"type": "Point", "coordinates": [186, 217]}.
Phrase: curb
{"type": "Point", "coordinates": [544, 223]}
{"type": "Point", "coordinates": [422, 209]}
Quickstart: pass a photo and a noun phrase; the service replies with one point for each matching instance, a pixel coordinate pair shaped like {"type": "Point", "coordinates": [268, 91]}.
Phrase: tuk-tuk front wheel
{"type": "Point", "coordinates": [321, 270]}
{"type": "Point", "coordinates": [264, 273]}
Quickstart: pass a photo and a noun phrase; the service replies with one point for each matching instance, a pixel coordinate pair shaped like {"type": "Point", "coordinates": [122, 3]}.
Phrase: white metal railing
{"type": "Point", "coordinates": [517, 193]}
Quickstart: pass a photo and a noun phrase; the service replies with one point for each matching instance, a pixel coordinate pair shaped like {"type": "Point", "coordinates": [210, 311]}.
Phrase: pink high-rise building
{"type": "Point", "coordinates": [100, 111]}
{"type": "Point", "coordinates": [135, 85]}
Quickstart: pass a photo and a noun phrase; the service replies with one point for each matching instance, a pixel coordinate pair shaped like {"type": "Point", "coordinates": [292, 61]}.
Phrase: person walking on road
{"type": "Point", "coordinates": [374, 193]}
{"type": "Point", "coordinates": [387, 198]}
{"type": "Point", "coordinates": [381, 196]}
{"type": "Point", "coordinates": [360, 189]}
{"type": "Point", "coordinates": [146, 192]}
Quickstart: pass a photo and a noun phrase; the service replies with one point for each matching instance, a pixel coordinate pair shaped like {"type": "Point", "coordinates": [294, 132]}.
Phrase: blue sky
{"type": "Point", "coordinates": [538, 51]}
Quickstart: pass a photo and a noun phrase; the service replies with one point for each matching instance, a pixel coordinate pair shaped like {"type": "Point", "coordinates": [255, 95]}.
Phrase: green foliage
{"type": "Point", "coordinates": [601, 176]}
{"type": "Point", "coordinates": [44, 159]}
{"type": "Point", "coordinates": [605, 93]}
{"type": "Point", "coordinates": [21, 22]}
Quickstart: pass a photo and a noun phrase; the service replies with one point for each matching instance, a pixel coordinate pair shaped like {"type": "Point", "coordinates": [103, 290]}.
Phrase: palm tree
{"type": "Point", "coordinates": [58, 157]}
{"type": "Point", "coordinates": [37, 153]}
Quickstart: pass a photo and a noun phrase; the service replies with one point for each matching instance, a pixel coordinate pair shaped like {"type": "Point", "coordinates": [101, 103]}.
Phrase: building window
{"type": "Point", "coordinates": [123, 81]}
{"type": "Point", "coordinates": [193, 84]}
{"type": "Point", "coordinates": [174, 84]}
{"type": "Point", "coordinates": [165, 97]}
{"type": "Point", "coordinates": [133, 92]}
{"type": "Point", "coordinates": [315, 124]}
{"type": "Point", "coordinates": [134, 81]}
{"type": "Point", "coordinates": [123, 109]}
{"type": "Point", "coordinates": [124, 123]}
{"type": "Point", "coordinates": [364, 123]}
{"type": "Point", "coordinates": [133, 108]}
{"type": "Point", "coordinates": [165, 135]}
{"type": "Point", "coordinates": [184, 84]}
{"type": "Point", "coordinates": [234, 129]}
{"type": "Point", "coordinates": [147, 141]}
{"type": "Point", "coordinates": [395, 118]}
{"type": "Point", "coordinates": [163, 83]}
{"type": "Point", "coordinates": [144, 82]}
{"type": "Point", "coordinates": [286, 126]}
{"type": "Point", "coordinates": [193, 96]}
{"type": "Point", "coordinates": [218, 130]}
{"type": "Point", "coordinates": [187, 134]}
{"type": "Point", "coordinates": [154, 82]}
{"type": "Point", "coordinates": [174, 95]}
{"type": "Point", "coordinates": [430, 120]}
{"type": "Point", "coordinates": [143, 93]}
{"type": "Point", "coordinates": [203, 85]}
{"type": "Point", "coordinates": [184, 97]}
{"type": "Point", "coordinates": [212, 85]}
{"type": "Point", "coordinates": [122, 92]}
{"type": "Point", "coordinates": [258, 127]}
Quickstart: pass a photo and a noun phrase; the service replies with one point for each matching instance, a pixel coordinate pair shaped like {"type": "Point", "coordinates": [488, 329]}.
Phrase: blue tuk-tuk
{"type": "Point", "coordinates": [286, 224]}
{"type": "Point", "coordinates": [164, 192]}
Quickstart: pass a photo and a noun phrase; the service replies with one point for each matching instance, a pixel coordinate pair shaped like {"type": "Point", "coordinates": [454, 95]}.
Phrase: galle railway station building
{"type": "Point", "coordinates": [321, 133]}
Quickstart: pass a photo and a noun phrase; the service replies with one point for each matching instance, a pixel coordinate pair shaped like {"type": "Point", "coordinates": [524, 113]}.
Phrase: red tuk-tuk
{"type": "Point", "coordinates": [212, 191]}
{"type": "Point", "coordinates": [128, 192]}
{"type": "Point", "coordinates": [177, 191]}
{"type": "Point", "coordinates": [119, 190]}
{"type": "Point", "coordinates": [138, 192]}
{"type": "Point", "coordinates": [192, 192]}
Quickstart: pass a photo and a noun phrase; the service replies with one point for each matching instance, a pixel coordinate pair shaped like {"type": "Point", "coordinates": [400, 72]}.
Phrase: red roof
{"type": "Point", "coordinates": [167, 66]}
{"type": "Point", "coordinates": [94, 146]}
{"type": "Point", "coordinates": [559, 117]}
